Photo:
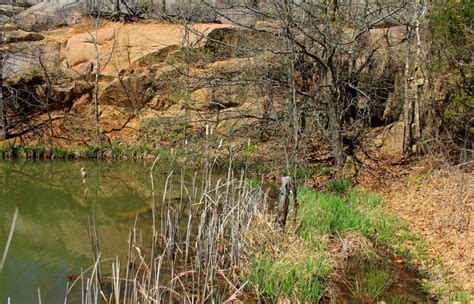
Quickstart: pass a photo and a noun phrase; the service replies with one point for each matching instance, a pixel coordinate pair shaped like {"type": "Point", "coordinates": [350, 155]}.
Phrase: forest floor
{"type": "Point", "coordinates": [437, 203]}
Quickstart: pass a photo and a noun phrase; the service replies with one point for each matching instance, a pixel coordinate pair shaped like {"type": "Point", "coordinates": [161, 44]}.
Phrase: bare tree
{"type": "Point", "coordinates": [101, 60]}
{"type": "Point", "coordinates": [333, 38]}
{"type": "Point", "coordinates": [407, 105]}
{"type": "Point", "coordinates": [411, 105]}
{"type": "Point", "coordinates": [419, 12]}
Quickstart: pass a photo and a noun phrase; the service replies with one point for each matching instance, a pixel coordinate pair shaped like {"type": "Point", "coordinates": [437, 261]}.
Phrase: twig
{"type": "Point", "coordinates": [10, 236]}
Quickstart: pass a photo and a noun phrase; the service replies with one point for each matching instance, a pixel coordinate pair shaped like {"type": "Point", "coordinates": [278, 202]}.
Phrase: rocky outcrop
{"type": "Point", "coordinates": [125, 46]}
{"type": "Point", "coordinates": [43, 96]}
{"type": "Point", "coordinates": [141, 81]}
{"type": "Point", "coordinates": [63, 97]}
{"type": "Point", "coordinates": [46, 15]}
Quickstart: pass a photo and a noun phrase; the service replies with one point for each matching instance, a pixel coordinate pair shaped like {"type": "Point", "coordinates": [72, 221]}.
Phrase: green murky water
{"type": "Point", "coordinates": [50, 241]}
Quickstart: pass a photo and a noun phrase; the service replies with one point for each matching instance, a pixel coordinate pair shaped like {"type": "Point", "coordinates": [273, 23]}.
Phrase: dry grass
{"type": "Point", "coordinates": [196, 247]}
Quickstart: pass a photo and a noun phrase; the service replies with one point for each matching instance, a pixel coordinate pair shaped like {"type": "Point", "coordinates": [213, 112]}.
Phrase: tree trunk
{"type": "Point", "coordinates": [336, 139]}
{"type": "Point", "coordinates": [96, 89]}
{"type": "Point", "coordinates": [4, 120]}
{"type": "Point", "coordinates": [117, 7]}
{"type": "Point", "coordinates": [407, 111]}
{"type": "Point", "coordinates": [417, 134]}
{"type": "Point", "coordinates": [163, 4]}
{"type": "Point", "coordinates": [3, 114]}
{"type": "Point", "coordinates": [334, 127]}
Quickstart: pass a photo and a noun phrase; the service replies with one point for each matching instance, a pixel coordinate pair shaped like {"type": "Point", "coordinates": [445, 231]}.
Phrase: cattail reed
{"type": "Point", "coordinates": [195, 255]}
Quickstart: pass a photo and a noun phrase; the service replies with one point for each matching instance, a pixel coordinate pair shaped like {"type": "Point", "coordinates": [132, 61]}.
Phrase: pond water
{"type": "Point", "coordinates": [50, 242]}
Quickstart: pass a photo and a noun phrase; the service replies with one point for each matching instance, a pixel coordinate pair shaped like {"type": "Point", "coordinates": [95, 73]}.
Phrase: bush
{"type": "Point", "coordinates": [6, 150]}
{"type": "Point", "coordinates": [450, 28]}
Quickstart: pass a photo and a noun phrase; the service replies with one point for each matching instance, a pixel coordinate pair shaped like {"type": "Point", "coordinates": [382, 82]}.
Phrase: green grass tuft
{"type": "Point", "coordinates": [339, 185]}
{"type": "Point", "coordinates": [324, 171]}
{"type": "Point", "coordinates": [293, 278]}
{"type": "Point", "coordinates": [327, 213]}
{"type": "Point", "coordinates": [61, 153]}
{"type": "Point", "coordinates": [371, 284]}
{"type": "Point", "coordinates": [253, 183]}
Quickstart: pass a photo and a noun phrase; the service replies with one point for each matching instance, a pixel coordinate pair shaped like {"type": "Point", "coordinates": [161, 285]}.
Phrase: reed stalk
{"type": "Point", "coordinates": [198, 258]}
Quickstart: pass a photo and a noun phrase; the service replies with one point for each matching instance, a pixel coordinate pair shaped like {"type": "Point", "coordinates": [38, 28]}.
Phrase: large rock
{"type": "Point", "coordinates": [28, 55]}
{"type": "Point", "coordinates": [7, 27]}
{"type": "Point", "coordinates": [218, 99]}
{"type": "Point", "coordinates": [62, 97]}
{"type": "Point", "coordinates": [201, 98]}
{"type": "Point", "coordinates": [124, 46]}
{"type": "Point", "coordinates": [46, 15]}
{"type": "Point", "coordinates": [392, 140]}
{"type": "Point", "coordinates": [128, 92]}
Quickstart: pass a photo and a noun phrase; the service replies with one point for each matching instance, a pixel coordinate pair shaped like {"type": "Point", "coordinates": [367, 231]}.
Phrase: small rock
{"type": "Point", "coordinates": [201, 98]}
{"type": "Point", "coordinates": [22, 36]}
{"type": "Point", "coordinates": [7, 27]}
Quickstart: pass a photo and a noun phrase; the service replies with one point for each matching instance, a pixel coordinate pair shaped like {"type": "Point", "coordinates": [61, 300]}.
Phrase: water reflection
{"type": "Point", "coordinates": [50, 240]}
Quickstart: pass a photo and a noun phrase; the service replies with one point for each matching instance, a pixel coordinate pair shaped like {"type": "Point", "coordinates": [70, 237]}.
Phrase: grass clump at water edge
{"type": "Point", "coordinates": [331, 214]}
{"type": "Point", "coordinates": [309, 259]}
{"type": "Point", "coordinates": [371, 284]}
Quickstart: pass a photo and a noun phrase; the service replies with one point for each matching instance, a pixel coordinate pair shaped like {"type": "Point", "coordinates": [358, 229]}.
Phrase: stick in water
{"type": "Point", "coordinates": [10, 236]}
